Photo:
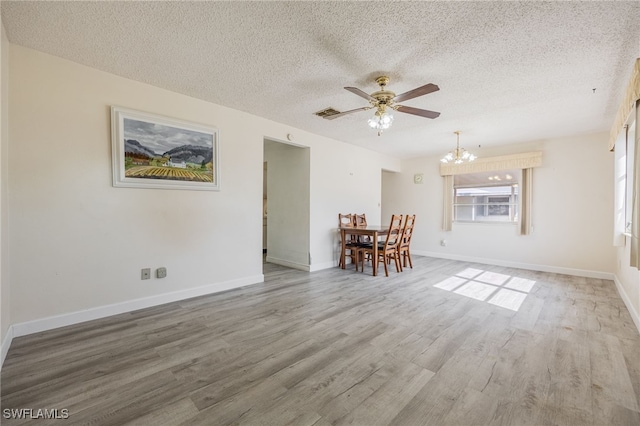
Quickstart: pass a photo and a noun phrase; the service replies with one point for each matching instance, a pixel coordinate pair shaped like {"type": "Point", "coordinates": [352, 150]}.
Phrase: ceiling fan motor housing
{"type": "Point", "coordinates": [383, 96]}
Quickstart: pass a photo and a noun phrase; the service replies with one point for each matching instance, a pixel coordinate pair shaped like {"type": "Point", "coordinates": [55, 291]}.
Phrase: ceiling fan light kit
{"type": "Point", "coordinates": [383, 99]}
{"type": "Point", "coordinates": [381, 120]}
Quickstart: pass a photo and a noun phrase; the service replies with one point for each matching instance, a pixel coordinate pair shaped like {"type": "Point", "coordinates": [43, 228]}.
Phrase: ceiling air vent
{"type": "Point", "coordinates": [327, 112]}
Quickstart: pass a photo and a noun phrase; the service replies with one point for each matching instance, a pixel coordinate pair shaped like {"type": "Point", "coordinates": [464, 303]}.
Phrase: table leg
{"type": "Point", "coordinates": [343, 247]}
{"type": "Point", "coordinates": [374, 261]}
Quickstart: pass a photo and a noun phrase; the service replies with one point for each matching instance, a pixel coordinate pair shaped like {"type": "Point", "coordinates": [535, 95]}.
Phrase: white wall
{"type": "Point", "coordinates": [5, 295]}
{"type": "Point", "coordinates": [77, 243]}
{"type": "Point", "coordinates": [288, 214]}
{"type": "Point", "coordinates": [572, 217]}
{"type": "Point", "coordinates": [349, 182]}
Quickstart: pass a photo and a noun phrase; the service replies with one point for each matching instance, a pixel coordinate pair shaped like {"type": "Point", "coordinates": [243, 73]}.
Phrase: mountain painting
{"type": "Point", "coordinates": [158, 151]}
{"type": "Point", "coordinates": [152, 151]}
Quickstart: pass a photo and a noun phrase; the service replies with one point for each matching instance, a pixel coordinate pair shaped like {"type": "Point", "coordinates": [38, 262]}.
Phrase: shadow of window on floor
{"type": "Point", "coordinates": [498, 289]}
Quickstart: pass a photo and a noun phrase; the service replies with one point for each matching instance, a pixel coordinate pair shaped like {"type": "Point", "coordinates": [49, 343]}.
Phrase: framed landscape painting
{"type": "Point", "coordinates": [151, 151]}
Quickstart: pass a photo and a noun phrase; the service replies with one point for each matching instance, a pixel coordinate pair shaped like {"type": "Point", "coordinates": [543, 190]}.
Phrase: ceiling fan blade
{"type": "Point", "coordinates": [422, 90]}
{"type": "Point", "coordinates": [360, 93]}
{"type": "Point", "coordinates": [331, 117]}
{"type": "Point", "coordinates": [417, 111]}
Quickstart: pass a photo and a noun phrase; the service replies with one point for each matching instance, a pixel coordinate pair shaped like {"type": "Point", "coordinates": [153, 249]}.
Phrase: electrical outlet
{"type": "Point", "coordinates": [443, 243]}
{"type": "Point", "coordinates": [161, 272]}
{"type": "Point", "coordinates": [146, 274]}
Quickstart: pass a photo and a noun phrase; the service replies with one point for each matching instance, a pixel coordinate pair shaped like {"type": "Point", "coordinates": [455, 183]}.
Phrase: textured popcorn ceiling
{"type": "Point", "coordinates": [509, 72]}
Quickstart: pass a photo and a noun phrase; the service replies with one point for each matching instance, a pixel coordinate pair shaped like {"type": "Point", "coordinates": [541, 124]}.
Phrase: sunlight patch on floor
{"type": "Point", "coordinates": [497, 289]}
{"type": "Point", "coordinates": [451, 283]}
{"type": "Point", "coordinates": [476, 290]}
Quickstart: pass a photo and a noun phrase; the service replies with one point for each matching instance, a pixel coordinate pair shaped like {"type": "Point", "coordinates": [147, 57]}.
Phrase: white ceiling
{"type": "Point", "coordinates": [509, 72]}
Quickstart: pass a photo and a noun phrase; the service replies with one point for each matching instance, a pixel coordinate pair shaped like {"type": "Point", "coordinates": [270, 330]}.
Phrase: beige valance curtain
{"type": "Point", "coordinates": [526, 192]}
{"type": "Point", "coordinates": [525, 161]}
{"type": "Point", "coordinates": [631, 95]}
{"type": "Point", "coordinates": [447, 203]}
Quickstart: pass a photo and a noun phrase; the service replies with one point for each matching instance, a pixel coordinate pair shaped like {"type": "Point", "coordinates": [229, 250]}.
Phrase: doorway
{"type": "Point", "coordinates": [286, 198]}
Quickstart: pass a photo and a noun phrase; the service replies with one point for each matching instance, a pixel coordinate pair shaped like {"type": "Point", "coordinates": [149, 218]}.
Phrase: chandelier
{"type": "Point", "coordinates": [459, 155]}
{"type": "Point", "coordinates": [382, 120]}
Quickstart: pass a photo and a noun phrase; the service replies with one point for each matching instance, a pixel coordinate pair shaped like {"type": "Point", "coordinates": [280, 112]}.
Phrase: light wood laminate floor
{"type": "Point", "coordinates": [434, 345]}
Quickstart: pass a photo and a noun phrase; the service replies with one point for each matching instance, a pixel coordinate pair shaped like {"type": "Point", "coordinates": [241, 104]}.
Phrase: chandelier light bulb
{"type": "Point", "coordinates": [447, 158]}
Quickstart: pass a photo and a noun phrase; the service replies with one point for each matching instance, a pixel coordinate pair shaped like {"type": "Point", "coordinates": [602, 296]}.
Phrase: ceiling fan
{"type": "Point", "coordinates": [383, 99]}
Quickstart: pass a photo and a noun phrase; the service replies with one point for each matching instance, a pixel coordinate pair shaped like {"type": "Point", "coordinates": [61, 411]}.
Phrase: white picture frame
{"type": "Point", "coordinates": [153, 151]}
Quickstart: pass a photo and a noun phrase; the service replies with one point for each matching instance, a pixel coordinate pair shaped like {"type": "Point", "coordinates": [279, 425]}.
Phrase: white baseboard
{"type": "Point", "coordinates": [519, 265]}
{"type": "Point", "coordinates": [6, 343]}
{"type": "Point", "coordinates": [627, 302]}
{"type": "Point", "coordinates": [325, 265]}
{"type": "Point", "coordinates": [49, 323]}
{"type": "Point", "coordinates": [288, 263]}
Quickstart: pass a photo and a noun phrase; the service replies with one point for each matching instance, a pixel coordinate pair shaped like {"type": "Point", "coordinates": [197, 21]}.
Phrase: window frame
{"type": "Point", "coordinates": [624, 151]}
{"type": "Point", "coordinates": [629, 153]}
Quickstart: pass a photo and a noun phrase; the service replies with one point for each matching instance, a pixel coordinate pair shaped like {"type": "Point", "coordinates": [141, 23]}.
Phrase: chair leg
{"type": "Point", "coordinates": [357, 254]}
{"type": "Point", "coordinates": [386, 269]}
{"type": "Point", "coordinates": [405, 254]}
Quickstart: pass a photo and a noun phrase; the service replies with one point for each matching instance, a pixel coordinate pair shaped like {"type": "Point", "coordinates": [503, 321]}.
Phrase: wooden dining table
{"type": "Point", "coordinates": [372, 231]}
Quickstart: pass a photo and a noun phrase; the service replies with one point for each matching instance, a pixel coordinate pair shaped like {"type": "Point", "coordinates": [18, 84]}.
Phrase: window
{"type": "Point", "coordinates": [624, 171]}
{"type": "Point", "coordinates": [486, 197]}
{"type": "Point", "coordinates": [630, 156]}
{"type": "Point", "coordinates": [490, 189]}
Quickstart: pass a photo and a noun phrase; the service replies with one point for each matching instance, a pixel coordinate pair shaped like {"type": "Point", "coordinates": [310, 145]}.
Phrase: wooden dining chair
{"type": "Point", "coordinates": [387, 249]}
{"type": "Point", "coordinates": [405, 242]}
{"type": "Point", "coordinates": [361, 220]}
{"type": "Point", "coordinates": [345, 221]}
